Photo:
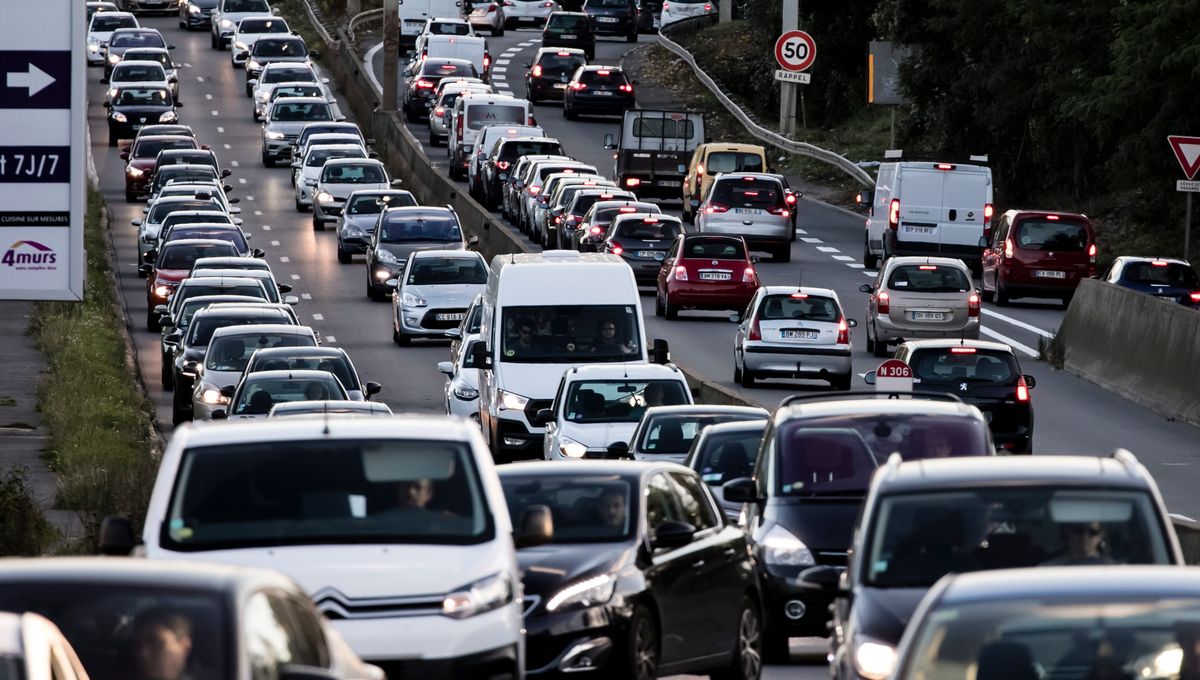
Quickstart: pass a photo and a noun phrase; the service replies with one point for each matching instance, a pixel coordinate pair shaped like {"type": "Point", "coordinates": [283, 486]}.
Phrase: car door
{"type": "Point", "coordinates": [668, 262]}
{"type": "Point", "coordinates": [993, 254]}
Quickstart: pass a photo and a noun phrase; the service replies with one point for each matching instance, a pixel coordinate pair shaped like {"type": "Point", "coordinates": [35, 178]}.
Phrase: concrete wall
{"type": "Point", "coordinates": [1144, 349]}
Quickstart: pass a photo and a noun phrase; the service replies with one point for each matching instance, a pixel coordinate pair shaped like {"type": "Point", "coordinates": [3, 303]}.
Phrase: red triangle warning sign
{"type": "Point", "coordinates": [1187, 152]}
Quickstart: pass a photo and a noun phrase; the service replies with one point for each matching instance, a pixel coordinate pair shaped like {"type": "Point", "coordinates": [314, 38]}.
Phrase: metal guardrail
{"type": "Point", "coordinates": [361, 18]}
{"type": "Point", "coordinates": [312, 17]}
{"type": "Point", "coordinates": [769, 136]}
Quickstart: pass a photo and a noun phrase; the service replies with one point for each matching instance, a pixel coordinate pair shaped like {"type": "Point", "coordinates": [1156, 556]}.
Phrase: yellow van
{"type": "Point", "coordinates": [711, 159]}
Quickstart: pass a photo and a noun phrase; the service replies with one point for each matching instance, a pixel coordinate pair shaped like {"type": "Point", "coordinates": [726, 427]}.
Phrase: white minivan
{"type": "Point", "coordinates": [926, 208]}
{"type": "Point", "coordinates": [474, 111]}
{"type": "Point", "coordinates": [396, 527]}
{"type": "Point", "coordinates": [544, 313]}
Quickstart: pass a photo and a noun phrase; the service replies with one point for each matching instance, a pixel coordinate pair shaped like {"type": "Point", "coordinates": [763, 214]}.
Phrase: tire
{"type": "Point", "coordinates": [783, 253]}
{"type": "Point", "coordinates": [214, 42]}
{"type": "Point", "coordinates": [130, 197]}
{"type": "Point", "coordinates": [641, 648]}
{"type": "Point", "coordinates": [499, 32]}
{"type": "Point", "coordinates": [249, 90]}
{"type": "Point", "coordinates": [433, 138]}
{"type": "Point", "coordinates": [299, 206]}
{"type": "Point", "coordinates": [569, 113]}
{"type": "Point", "coordinates": [775, 648]}
{"type": "Point", "coordinates": [343, 256]}
{"type": "Point", "coordinates": [1066, 300]}
{"type": "Point", "coordinates": [401, 339]}
{"type": "Point", "coordinates": [985, 294]}
{"type": "Point", "coordinates": [747, 659]}
{"type": "Point", "coordinates": [372, 294]}
{"type": "Point", "coordinates": [1002, 298]}
{"type": "Point", "coordinates": [152, 324]}
{"type": "Point", "coordinates": [670, 311]}
{"type": "Point", "coordinates": [880, 351]}
{"type": "Point", "coordinates": [870, 343]}
{"type": "Point", "coordinates": [184, 25]}
{"type": "Point", "coordinates": [748, 379]}
{"type": "Point", "coordinates": [178, 415]}
{"type": "Point", "coordinates": [533, 100]}
{"type": "Point", "coordinates": [841, 382]}
{"type": "Point", "coordinates": [869, 261]}
{"type": "Point", "coordinates": [737, 372]}
{"type": "Point", "coordinates": [112, 138]}
{"type": "Point", "coordinates": [267, 161]}
{"type": "Point", "coordinates": [166, 377]}
{"type": "Point", "coordinates": [318, 225]}
{"type": "Point", "coordinates": [632, 37]}
{"type": "Point", "coordinates": [1026, 447]}
{"type": "Point", "coordinates": [658, 305]}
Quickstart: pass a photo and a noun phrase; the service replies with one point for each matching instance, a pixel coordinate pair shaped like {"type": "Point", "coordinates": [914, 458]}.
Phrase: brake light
{"type": "Point", "coordinates": [894, 214]}
{"type": "Point", "coordinates": [424, 84]}
{"type": "Point", "coordinates": [439, 111]}
{"type": "Point", "coordinates": [563, 54]}
{"type": "Point", "coordinates": [632, 181]}
{"type": "Point", "coordinates": [626, 88]}
{"type": "Point", "coordinates": [1022, 390]}
{"type": "Point", "coordinates": [681, 273]}
{"type": "Point", "coordinates": [605, 197]}
{"type": "Point", "coordinates": [748, 275]}
{"type": "Point", "coordinates": [558, 219]}
{"type": "Point", "coordinates": [988, 211]}
{"type": "Point", "coordinates": [547, 4]}
{"type": "Point", "coordinates": [594, 231]}
{"type": "Point", "coordinates": [603, 72]}
{"type": "Point", "coordinates": [537, 70]}
{"type": "Point", "coordinates": [1195, 296]}
{"type": "Point", "coordinates": [615, 249]}
{"type": "Point", "coordinates": [755, 331]}
{"type": "Point", "coordinates": [973, 305]}
{"type": "Point", "coordinates": [883, 302]}
{"type": "Point", "coordinates": [799, 296]}
{"type": "Point", "coordinates": [928, 267]}
{"type": "Point", "coordinates": [534, 189]}
{"type": "Point", "coordinates": [708, 7]}
{"type": "Point", "coordinates": [627, 209]}
{"type": "Point", "coordinates": [843, 332]}
{"type": "Point", "coordinates": [1008, 247]}
{"type": "Point", "coordinates": [779, 210]}
{"type": "Point", "coordinates": [1052, 218]}
{"type": "Point", "coordinates": [666, 6]}
{"type": "Point", "coordinates": [577, 86]}
{"type": "Point", "coordinates": [790, 198]}
{"type": "Point", "coordinates": [487, 61]}
{"type": "Point", "coordinates": [699, 169]}
{"type": "Point", "coordinates": [650, 220]}
{"type": "Point", "coordinates": [1159, 263]}
{"type": "Point", "coordinates": [962, 350]}
{"type": "Point", "coordinates": [1092, 253]}
{"type": "Point", "coordinates": [490, 9]}
{"type": "Point", "coordinates": [945, 166]}
{"type": "Point", "coordinates": [503, 165]}
{"type": "Point", "coordinates": [716, 208]}
{"type": "Point", "coordinates": [459, 126]}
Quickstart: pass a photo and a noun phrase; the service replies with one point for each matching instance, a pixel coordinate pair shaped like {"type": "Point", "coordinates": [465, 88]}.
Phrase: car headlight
{"type": "Point", "coordinates": [262, 97]}
{"type": "Point", "coordinates": [240, 46]}
{"type": "Point", "coordinates": [271, 134]}
{"type": "Point", "coordinates": [114, 58]}
{"type": "Point", "coordinates": [781, 548]}
{"type": "Point", "coordinates": [209, 394]}
{"type": "Point", "coordinates": [192, 9]}
{"type": "Point", "coordinates": [351, 230]}
{"type": "Point", "coordinates": [119, 117]}
{"type": "Point", "coordinates": [588, 592]}
{"type": "Point", "coordinates": [134, 172]}
{"type": "Point", "coordinates": [161, 291]}
{"type": "Point", "coordinates": [111, 93]}
{"type": "Point", "coordinates": [571, 448]}
{"type": "Point", "coordinates": [465, 392]}
{"type": "Point", "coordinates": [253, 65]}
{"type": "Point", "coordinates": [168, 117]}
{"type": "Point", "coordinates": [324, 197]}
{"type": "Point", "coordinates": [385, 257]}
{"type": "Point", "coordinates": [410, 300]}
{"type": "Point", "coordinates": [479, 597]}
{"type": "Point", "coordinates": [512, 401]}
{"type": "Point", "coordinates": [94, 47]}
{"type": "Point", "coordinates": [226, 23]}
{"type": "Point", "coordinates": [874, 660]}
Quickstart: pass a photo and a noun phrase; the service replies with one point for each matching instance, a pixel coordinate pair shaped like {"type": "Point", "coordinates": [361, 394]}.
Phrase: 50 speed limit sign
{"type": "Point", "coordinates": [795, 51]}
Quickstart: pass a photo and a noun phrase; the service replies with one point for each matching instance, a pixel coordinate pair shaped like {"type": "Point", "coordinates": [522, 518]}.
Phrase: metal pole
{"type": "Point", "coordinates": [391, 53]}
{"type": "Point", "coordinates": [893, 143]}
{"type": "Point", "coordinates": [1187, 227]}
{"type": "Point", "coordinates": [787, 91]}
{"type": "Point", "coordinates": [725, 11]}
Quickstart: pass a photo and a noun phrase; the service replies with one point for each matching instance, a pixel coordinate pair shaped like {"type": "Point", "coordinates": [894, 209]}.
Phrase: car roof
{"type": "Point", "coordinates": [1021, 212]}
{"type": "Point", "coordinates": [618, 371]}
{"type": "Point", "coordinates": [199, 242]}
{"type": "Point", "coordinates": [169, 138]}
{"type": "Point", "coordinates": [219, 280]}
{"type": "Point", "coordinates": [418, 211]}
{"type": "Point", "coordinates": [598, 67]}
{"type": "Point", "coordinates": [990, 472]}
{"type": "Point", "coordinates": [640, 216]}
{"type": "Point", "coordinates": [353, 161]}
{"type": "Point", "coordinates": [730, 176]}
{"type": "Point", "coordinates": [625, 469]}
{"type": "Point", "coordinates": [734, 426]}
{"type": "Point", "coordinates": [704, 410]}
{"type": "Point", "coordinates": [943, 343]}
{"type": "Point", "coordinates": [865, 405]}
{"type": "Point", "coordinates": [1048, 584]}
{"type": "Point", "coordinates": [142, 63]}
{"type": "Point", "coordinates": [409, 426]}
{"type": "Point", "coordinates": [1126, 259]}
{"type": "Point", "coordinates": [806, 290]}
{"type": "Point", "coordinates": [172, 573]}
{"type": "Point", "coordinates": [299, 100]}
{"type": "Point", "coordinates": [249, 310]}
{"type": "Point", "coordinates": [574, 51]}
{"type": "Point", "coordinates": [731, 146]}
{"type": "Point", "coordinates": [318, 351]}
{"type": "Point", "coordinates": [898, 260]}
{"type": "Point", "coordinates": [231, 259]}
{"type": "Point", "coordinates": [456, 254]}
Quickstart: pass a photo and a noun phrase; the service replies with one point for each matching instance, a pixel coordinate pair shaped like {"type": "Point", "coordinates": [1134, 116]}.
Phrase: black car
{"type": "Point", "coordinates": [175, 326]}
{"type": "Point", "coordinates": [643, 577]}
{"type": "Point", "coordinates": [981, 373]}
{"type": "Point", "coordinates": [642, 240]}
{"type": "Point", "coordinates": [570, 29]}
{"type": "Point", "coordinates": [550, 71]}
{"type": "Point", "coordinates": [925, 519]}
{"type": "Point", "coordinates": [593, 226]}
{"type": "Point", "coordinates": [725, 452]}
{"type": "Point", "coordinates": [504, 155]}
{"type": "Point", "coordinates": [196, 14]}
{"type": "Point", "coordinates": [134, 106]}
{"type": "Point", "coordinates": [272, 49]}
{"type": "Point", "coordinates": [614, 17]}
{"type": "Point", "coordinates": [402, 231]}
{"type": "Point", "coordinates": [422, 81]}
{"type": "Point", "coordinates": [598, 90]}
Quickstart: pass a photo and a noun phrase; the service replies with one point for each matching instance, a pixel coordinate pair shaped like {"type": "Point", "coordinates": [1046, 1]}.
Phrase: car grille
{"type": "Point", "coordinates": [536, 405]}
{"type": "Point", "coordinates": [337, 606]}
{"type": "Point", "coordinates": [431, 321]}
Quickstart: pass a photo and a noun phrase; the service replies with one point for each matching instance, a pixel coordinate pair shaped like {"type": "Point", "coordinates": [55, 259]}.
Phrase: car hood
{"type": "Point", "coordinates": [278, 60]}
{"type": "Point", "coordinates": [823, 524]}
{"type": "Point", "coordinates": [221, 378]}
{"type": "Point", "coordinates": [882, 613]}
{"type": "Point", "coordinates": [146, 111]}
{"type": "Point", "coordinates": [459, 294]}
{"type": "Point", "coordinates": [402, 250]}
{"type": "Point", "coordinates": [364, 222]}
{"type": "Point", "coordinates": [175, 275]}
{"type": "Point", "coordinates": [545, 569]}
{"type": "Point", "coordinates": [342, 190]}
{"type": "Point", "coordinates": [142, 163]}
{"type": "Point", "coordinates": [598, 436]}
{"type": "Point", "coordinates": [536, 381]}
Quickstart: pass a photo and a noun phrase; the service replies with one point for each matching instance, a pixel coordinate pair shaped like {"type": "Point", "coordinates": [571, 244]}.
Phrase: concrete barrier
{"type": "Point", "coordinates": [1188, 532]}
{"type": "Point", "coordinates": [1134, 345]}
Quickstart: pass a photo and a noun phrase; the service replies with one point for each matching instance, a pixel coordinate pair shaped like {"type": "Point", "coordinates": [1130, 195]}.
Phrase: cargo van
{"type": "Point", "coordinates": [472, 112]}
{"type": "Point", "coordinates": [709, 160]}
{"type": "Point", "coordinates": [414, 13]}
{"type": "Point", "coordinates": [534, 328]}
{"type": "Point", "coordinates": [471, 48]}
{"type": "Point", "coordinates": [928, 208]}
{"type": "Point", "coordinates": [653, 150]}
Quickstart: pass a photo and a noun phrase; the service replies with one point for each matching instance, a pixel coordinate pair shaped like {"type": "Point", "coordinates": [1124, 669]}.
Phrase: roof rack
{"type": "Point", "coordinates": [891, 394]}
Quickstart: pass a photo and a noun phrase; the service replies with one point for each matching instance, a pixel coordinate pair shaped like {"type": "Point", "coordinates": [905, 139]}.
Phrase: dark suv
{"type": "Point", "coordinates": [549, 72]}
{"type": "Point", "coordinates": [925, 519]}
{"type": "Point", "coordinates": [614, 17]}
{"type": "Point", "coordinates": [570, 29]}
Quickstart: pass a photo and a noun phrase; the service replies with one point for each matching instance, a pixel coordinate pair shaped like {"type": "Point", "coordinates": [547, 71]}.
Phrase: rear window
{"type": "Point", "coordinates": [448, 271]}
{"type": "Point", "coordinates": [162, 58]}
{"type": "Point", "coordinates": [143, 39]}
{"type": "Point", "coordinates": [294, 111]}
{"type": "Point", "coordinates": [449, 28]}
{"type": "Point", "coordinates": [799, 307]}
{"type": "Point", "coordinates": [1150, 274]}
{"type": "Point", "coordinates": [733, 161]}
{"type": "Point", "coordinates": [354, 174]}
{"type": "Point", "coordinates": [150, 148]}
{"type": "Point", "coordinates": [602, 77]}
{"type": "Point", "coordinates": [1056, 235]}
{"type": "Point", "coordinates": [705, 249]}
{"type": "Point", "coordinates": [512, 150]}
{"type": "Point", "coordinates": [136, 96]}
{"type": "Point", "coordinates": [288, 75]}
{"type": "Point", "coordinates": [339, 366]}
{"type": "Point", "coordinates": [139, 72]}
{"type": "Point", "coordinates": [247, 6]}
{"type": "Point", "coordinates": [929, 278]}
{"type": "Point", "coordinates": [317, 157]}
{"type": "Point", "coordinates": [752, 193]}
{"type": "Point", "coordinates": [822, 461]}
{"type": "Point", "coordinates": [263, 26]}
{"type": "Point", "coordinates": [312, 90]}
{"type": "Point", "coordinates": [673, 433]}
{"type": "Point", "coordinates": [566, 24]}
{"type": "Point", "coordinates": [647, 231]}
{"type": "Point", "coordinates": [433, 228]}
{"type": "Point", "coordinates": [664, 128]}
{"type": "Point", "coordinates": [609, 4]}
{"type": "Point", "coordinates": [491, 114]}
{"type": "Point", "coordinates": [728, 456]}
{"type": "Point", "coordinates": [373, 205]}
{"type": "Point", "coordinates": [953, 365]}
{"type": "Point", "coordinates": [440, 68]}
{"type": "Point", "coordinates": [555, 64]}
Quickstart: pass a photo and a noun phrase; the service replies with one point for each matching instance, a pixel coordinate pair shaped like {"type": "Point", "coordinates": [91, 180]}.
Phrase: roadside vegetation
{"type": "Point", "coordinates": [24, 530]}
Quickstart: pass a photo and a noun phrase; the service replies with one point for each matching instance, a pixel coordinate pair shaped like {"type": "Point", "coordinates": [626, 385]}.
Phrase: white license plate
{"type": "Point", "coordinates": [651, 253]}
{"type": "Point", "coordinates": [668, 183]}
{"type": "Point", "coordinates": [800, 334]}
{"type": "Point", "coordinates": [602, 93]}
{"type": "Point", "coordinates": [568, 36]}
{"type": "Point", "coordinates": [1048, 274]}
{"type": "Point", "coordinates": [560, 86]}
{"type": "Point", "coordinates": [451, 317]}
{"type": "Point", "coordinates": [606, 20]}
{"type": "Point", "coordinates": [746, 211]}
{"type": "Point", "coordinates": [928, 316]}
{"type": "Point", "coordinates": [715, 276]}
{"type": "Point", "coordinates": [908, 229]}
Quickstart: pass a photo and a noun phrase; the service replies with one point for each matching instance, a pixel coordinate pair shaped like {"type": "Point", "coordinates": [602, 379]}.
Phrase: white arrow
{"type": "Point", "coordinates": [35, 80]}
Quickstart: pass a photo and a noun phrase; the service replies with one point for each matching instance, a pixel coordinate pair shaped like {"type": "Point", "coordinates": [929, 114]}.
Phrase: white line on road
{"type": "Point", "coordinates": [249, 198]}
{"type": "Point", "coordinates": [220, 129]}
{"type": "Point", "coordinates": [871, 274]}
{"type": "Point", "coordinates": [241, 180]}
{"type": "Point", "coordinates": [329, 339]}
{"type": "Point", "coordinates": [285, 259]}
{"type": "Point", "coordinates": [275, 244]}
{"type": "Point", "coordinates": [843, 258]}
{"type": "Point", "coordinates": [1018, 323]}
{"type": "Point", "coordinates": [258, 213]}
{"type": "Point", "coordinates": [506, 93]}
{"type": "Point", "coordinates": [503, 62]}
{"type": "Point", "coordinates": [828, 249]}
{"type": "Point", "coordinates": [208, 96]}
{"type": "Point", "coordinates": [186, 65]}
{"type": "Point", "coordinates": [200, 78]}
{"type": "Point", "coordinates": [306, 296]}
{"type": "Point", "coordinates": [1009, 341]}
{"type": "Point", "coordinates": [216, 113]}
{"type": "Point", "coordinates": [500, 69]}
{"type": "Point", "coordinates": [227, 147]}
{"type": "Point", "coordinates": [1177, 464]}
{"type": "Point", "coordinates": [266, 227]}
{"type": "Point", "coordinates": [529, 43]}
{"type": "Point", "coordinates": [855, 265]}
{"type": "Point", "coordinates": [367, 58]}
{"type": "Point", "coordinates": [234, 163]}
{"type": "Point", "coordinates": [295, 277]}
{"type": "Point", "coordinates": [810, 239]}
{"type": "Point", "coordinates": [318, 317]}
{"type": "Point", "coordinates": [801, 232]}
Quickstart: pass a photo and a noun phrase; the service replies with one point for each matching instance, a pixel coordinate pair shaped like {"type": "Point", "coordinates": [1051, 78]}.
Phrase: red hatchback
{"type": "Point", "coordinates": [141, 157]}
{"type": "Point", "coordinates": [703, 271]}
{"type": "Point", "coordinates": [1035, 253]}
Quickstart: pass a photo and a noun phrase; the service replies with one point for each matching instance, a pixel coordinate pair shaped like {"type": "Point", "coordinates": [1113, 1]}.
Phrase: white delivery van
{"type": "Point", "coordinates": [928, 208]}
{"type": "Point", "coordinates": [474, 111]}
{"type": "Point", "coordinates": [472, 48]}
{"type": "Point", "coordinates": [414, 13]}
{"type": "Point", "coordinates": [396, 527]}
{"type": "Point", "coordinates": [544, 313]}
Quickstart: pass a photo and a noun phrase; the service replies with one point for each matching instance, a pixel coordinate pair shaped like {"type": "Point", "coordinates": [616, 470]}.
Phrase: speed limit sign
{"type": "Point", "coordinates": [795, 51]}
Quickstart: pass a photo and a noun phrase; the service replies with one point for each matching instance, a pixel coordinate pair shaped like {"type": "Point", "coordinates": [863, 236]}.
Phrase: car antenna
{"type": "Point", "coordinates": [325, 410]}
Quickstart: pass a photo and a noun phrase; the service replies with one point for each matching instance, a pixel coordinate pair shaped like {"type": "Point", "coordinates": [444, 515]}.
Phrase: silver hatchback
{"type": "Point", "coordinates": [432, 296]}
{"type": "Point", "coordinates": [753, 206]}
{"type": "Point", "coordinates": [789, 332]}
{"type": "Point", "coordinates": [920, 297]}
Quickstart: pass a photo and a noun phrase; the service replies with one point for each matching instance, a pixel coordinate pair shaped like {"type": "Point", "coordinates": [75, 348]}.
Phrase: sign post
{"type": "Point", "coordinates": [893, 375]}
{"type": "Point", "coordinates": [1187, 152]}
{"type": "Point", "coordinates": [391, 53]}
{"type": "Point", "coordinates": [43, 116]}
{"type": "Point", "coordinates": [795, 51]}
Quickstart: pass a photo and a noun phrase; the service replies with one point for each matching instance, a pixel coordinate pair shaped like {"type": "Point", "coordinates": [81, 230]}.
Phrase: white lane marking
{"type": "Point", "coordinates": [318, 317]}
{"type": "Point", "coordinates": [216, 113]}
{"type": "Point", "coordinates": [306, 296]}
{"type": "Point", "coordinates": [241, 180]}
{"type": "Point", "coordinates": [200, 78]}
{"type": "Point", "coordinates": [295, 277]}
{"type": "Point", "coordinates": [186, 65]}
{"type": "Point", "coordinates": [843, 258]}
{"type": "Point", "coordinates": [208, 96]}
{"type": "Point", "coordinates": [500, 69]}
{"type": "Point", "coordinates": [220, 129]}
{"type": "Point", "coordinates": [266, 227]}
{"type": "Point", "coordinates": [871, 273]}
{"type": "Point", "coordinates": [810, 239]}
{"type": "Point", "coordinates": [828, 249]}
{"type": "Point", "coordinates": [503, 62]}
{"type": "Point", "coordinates": [329, 339]}
{"type": "Point", "coordinates": [285, 259]}
{"type": "Point", "coordinates": [529, 43]}
{"type": "Point", "coordinates": [367, 58]}
{"type": "Point", "coordinates": [275, 243]}
{"type": "Point", "coordinates": [1026, 349]}
{"type": "Point", "coordinates": [258, 213]}
{"type": "Point", "coordinates": [1177, 464]}
{"type": "Point", "coordinates": [249, 198]}
{"type": "Point", "coordinates": [855, 265]}
{"type": "Point", "coordinates": [234, 164]}
{"type": "Point", "coordinates": [801, 232]}
{"type": "Point", "coordinates": [1018, 323]}
{"type": "Point", "coordinates": [227, 147]}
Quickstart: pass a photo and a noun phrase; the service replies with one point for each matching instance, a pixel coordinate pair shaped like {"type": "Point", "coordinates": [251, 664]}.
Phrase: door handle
{"type": "Point", "coordinates": [729, 552]}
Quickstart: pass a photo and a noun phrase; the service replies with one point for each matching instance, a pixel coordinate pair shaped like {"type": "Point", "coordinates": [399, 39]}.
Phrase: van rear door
{"type": "Point", "coordinates": [965, 192]}
{"type": "Point", "coordinates": [920, 194]}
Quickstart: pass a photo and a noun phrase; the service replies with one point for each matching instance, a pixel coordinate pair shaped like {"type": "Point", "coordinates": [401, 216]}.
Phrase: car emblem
{"type": "Point", "coordinates": [714, 263]}
{"type": "Point", "coordinates": [962, 387]}
{"type": "Point", "coordinates": [143, 120]}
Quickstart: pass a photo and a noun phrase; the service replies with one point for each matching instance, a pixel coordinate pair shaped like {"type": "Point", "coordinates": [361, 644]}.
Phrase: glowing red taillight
{"type": "Point", "coordinates": [439, 111]}
{"type": "Point", "coordinates": [1092, 253]}
{"type": "Point", "coordinates": [615, 249]}
{"type": "Point", "coordinates": [790, 198]}
{"type": "Point", "coordinates": [748, 275]}
{"type": "Point", "coordinates": [594, 231]}
{"type": "Point", "coordinates": [424, 84]}
{"type": "Point", "coordinates": [1195, 296]}
{"type": "Point", "coordinates": [626, 88]}
{"type": "Point", "coordinates": [843, 332]}
{"type": "Point", "coordinates": [962, 350]}
{"type": "Point", "coordinates": [716, 208]}
{"type": "Point", "coordinates": [632, 181]}
{"type": "Point", "coordinates": [894, 214]}
{"type": "Point", "coordinates": [534, 189]}
{"type": "Point", "coordinates": [988, 211]}
{"type": "Point", "coordinates": [883, 302]}
{"type": "Point", "coordinates": [779, 210]}
{"type": "Point", "coordinates": [973, 305]}
{"type": "Point", "coordinates": [537, 71]}
{"type": "Point", "coordinates": [681, 273]}
{"type": "Point", "coordinates": [577, 86]}
{"type": "Point", "coordinates": [1008, 247]}
{"type": "Point", "coordinates": [1022, 390]}
{"type": "Point", "coordinates": [503, 165]}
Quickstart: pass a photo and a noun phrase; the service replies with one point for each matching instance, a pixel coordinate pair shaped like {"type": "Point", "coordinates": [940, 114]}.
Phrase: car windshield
{"type": "Point", "coordinates": [202, 330]}
{"type": "Point", "coordinates": [1058, 235]}
{"type": "Point", "coordinates": [400, 229]}
{"type": "Point", "coordinates": [571, 334]}
{"type": "Point", "coordinates": [608, 3]}
{"type": "Point", "coordinates": [511, 150]}
{"type": "Point", "coordinates": [300, 111]}
{"type": "Point", "coordinates": [619, 401]}
{"type": "Point", "coordinates": [1168, 274]}
{"type": "Point", "coordinates": [138, 72]}
{"type": "Point", "coordinates": [929, 278]}
{"type": "Point", "coordinates": [143, 96]}
{"type": "Point", "coordinates": [183, 255]}
{"type": "Point", "coordinates": [913, 435]}
{"type": "Point", "coordinates": [585, 509]}
{"type": "Point", "coordinates": [952, 365]}
{"type": "Point", "coordinates": [259, 26]}
{"type": "Point", "coordinates": [713, 249]}
{"type": "Point", "coordinates": [233, 353]}
{"type": "Point", "coordinates": [449, 28]}
{"type": "Point", "coordinates": [328, 491]}
{"type": "Point", "coordinates": [369, 173]}
{"type": "Point", "coordinates": [149, 148]}
{"type": "Point", "coordinates": [138, 39]}
{"type": "Point", "coordinates": [558, 64]}
{"type": "Point", "coordinates": [336, 364]}
{"type": "Point", "coordinates": [232, 235]}
{"type": "Point", "coordinates": [747, 193]}
{"type": "Point", "coordinates": [311, 90]}
{"type": "Point", "coordinates": [185, 216]}
{"type": "Point", "coordinates": [317, 157]}
{"type": "Point", "coordinates": [374, 204]}
{"type": "Point", "coordinates": [479, 115]}
{"type": "Point", "coordinates": [602, 77]}
{"type": "Point", "coordinates": [917, 538]}
{"type": "Point", "coordinates": [103, 22]}
{"type": "Point", "coordinates": [673, 433]}
{"type": "Point", "coordinates": [161, 209]}
{"type": "Point", "coordinates": [799, 307]}
{"type": "Point", "coordinates": [247, 6]}
{"type": "Point", "coordinates": [647, 229]}
{"type": "Point", "coordinates": [664, 127]}
{"type": "Point", "coordinates": [161, 56]}
{"type": "Point", "coordinates": [733, 161]}
{"type": "Point", "coordinates": [822, 461]}
{"type": "Point", "coordinates": [111, 623]}
{"type": "Point", "coordinates": [289, 75]}
{"type": "Point", "coordinates": [279, 47]}
{"type": "Point", "coordinates": [567, 23]}
{"type": "Point", "coordinates": [434, 271]}
{"type": "Point", "coordinates": [728, 455]}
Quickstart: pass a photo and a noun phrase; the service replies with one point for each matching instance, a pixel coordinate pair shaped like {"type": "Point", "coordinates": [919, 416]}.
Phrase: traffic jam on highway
{"type": "Point", "coordinates": [553, 496]}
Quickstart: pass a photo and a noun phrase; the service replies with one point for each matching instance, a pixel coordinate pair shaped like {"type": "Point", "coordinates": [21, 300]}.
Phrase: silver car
{"type": "Point", "coordinates": [259, 392]}
{"type": "Point", "coordinates": [229, 350]}
{"type": "Point", "coordinates": [751, 205]}
{"type": "Point", "coordinates": [920, 297]}
{"type": "Point", "coordinates": [325, 409]}
{"type": "Point", "coordinates": [528, 12]}
{"type": "Point", "coordinates": [357, 220]}
{"type": "Point", "coordinates": [432, 296]}
{"type": "Point", "coordinates": [462, 379]}
{"type": "Point", "coordinates": [666, 433]}
{"type": "Point", "coordinates": [789, 332]}
{"type": "Point", "coordinates": [284, 121]}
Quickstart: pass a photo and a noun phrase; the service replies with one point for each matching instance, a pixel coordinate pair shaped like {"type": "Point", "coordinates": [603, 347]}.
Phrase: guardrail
{"type": "Point", "coordinates": [325, 35]}
{"type": "Point", "coordinates": [361, 18]}
{"type": "Point", "coordinates": [769, 136]}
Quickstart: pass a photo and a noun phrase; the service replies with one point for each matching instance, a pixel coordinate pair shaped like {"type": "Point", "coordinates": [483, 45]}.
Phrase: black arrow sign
{"type": "Point", "coordinates": [35, 80]}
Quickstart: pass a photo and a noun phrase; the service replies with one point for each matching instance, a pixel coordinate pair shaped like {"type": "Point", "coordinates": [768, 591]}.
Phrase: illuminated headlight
{"type": "Point", "coordinates": [134, 172]}
{"type": "Point", "coordinates": [782, 549]}
{"type": "Point", "coordinates": [274, 135]}
{"type": "Point", "coordinates": [571, 449]}
{"type": "Point", "coordinates": [93, 47]}
{"type": "Point", "coordinates": [240, 46]}
{"type": "Point", "coordinates": [119, 117]}
{"type": "Point", "coordinates": [874, 660]}
{"type": "Point", "coordinates": [253, 65]}
{"type": "Point", "coordinates": [588, 592]}
{"type": "Point", "coordinates": [161, 291]}
{"type": "Point", "coordinates": [383, 275]}
{"type": "Point", "coordinates": [226, 23]}
{"type": "Point", "coordinates": [466, 393]}
{"type": "Point", "coordinates": [410, 300]}
{"type": "Point", "coordinates": [512, 402]}
{"type": "Point", "coordinates": [385, 257]}
{"type": "Point", "coordinates": [212, 396]}
{"type": "Point", "coordinates": [192, 9]}
{"type": "Point", "coordinates": [479, 597]}
{"type": "Point", "coordinates": [114, 58]}
{"type": "Point", "coordinates": [324, 197]}
{"type": "Point", "coordinates": [112, 93]}
{"type": "Point", "coordinates": [168, 117]}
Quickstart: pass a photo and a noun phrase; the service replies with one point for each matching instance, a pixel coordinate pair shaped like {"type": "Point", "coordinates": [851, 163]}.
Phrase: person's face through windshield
{"type": "Point", "coordinates": [612, 509]}
{"type": "Point", "coordinates": [415, 494]}
{"type": "Point", "coordinates": [162, 645]}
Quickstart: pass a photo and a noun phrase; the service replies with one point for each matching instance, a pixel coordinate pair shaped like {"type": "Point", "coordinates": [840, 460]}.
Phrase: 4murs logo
{"type": "Point", "coordinates": [30, 256]}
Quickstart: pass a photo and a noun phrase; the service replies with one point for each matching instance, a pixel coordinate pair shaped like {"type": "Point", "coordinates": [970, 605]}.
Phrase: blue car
{"type": "Point", "coordinates": [1161, 277]}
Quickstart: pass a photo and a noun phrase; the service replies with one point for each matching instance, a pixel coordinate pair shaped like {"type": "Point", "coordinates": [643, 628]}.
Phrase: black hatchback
{"type": "Point", "coordinates": [570, 29]}
{"type": "Point", "coordinates": [550, 71]}
{"type": "Point", "coordinates": [983, 374]}
{"type": "Point", "coordinates": [134, 107]}
{"type": "Point", "coordinates": [642, 240]}
{"type": "Point", "coordinates": [614, 17]}
{"type": "Point", "coordinates": [598, 90]}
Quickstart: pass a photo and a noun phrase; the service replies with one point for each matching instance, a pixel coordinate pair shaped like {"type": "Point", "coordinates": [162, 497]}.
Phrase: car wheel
{"type": "Point", "coordinates": [299, 206]}
{"type": "Point", "coordinates": [373, 294]}
{"type": "Point", "coordinates": [1066, 300]}
{"type": "Point", "coordinates": [499, 32]}
{"type": "Point", "coordinates": [737, 370]}
{"type": "Point", "coordinates": [318, 225]}
{"type": "Point", "coordinates": [632, 37]}
{"type": "Point", "coordinates": [641, 653]}
{"type": "Point", "coordinates": [130, 197]}
{"type": "Point", "coordinates": [658, 304]}
{"type": "Point", "coordinates": [880, 348]}
{"type": "Point", "coordinates": [670, 311]}
{"type": "Point", "coordinates": [869, 261]}
{"type": "Point", "coordinates": [840, 382]}
{"type": "Point", "coordinates": [783, 253]}
{"type": "Point", "coordinates": [112, 137]}
{"type": "Point", "coordinates": [178, 413]}
{"type": "Point", "coordinates": [401, 339]}
{"type": "Point", "coordinates": [568, 112]}
{"type": "Point", "coordinates": [165, 376]}
{"type": "Point", "coordinates": [984, 293]}
{"type": "Point", "coordinates": [1025, 447]}
{"type": "Point", "coordinates": [775, 648]}
{"type": "Point", "coordinates": [214, 42]}
{"type": "Point", "coordinates": [343, 256]}
{"type": "Point", "coordinates": [249, 89]}
{"type": "Point", "coordinates": [533, 100]}
{"type": "Point", "coordinates": [267, 161]}
{"type": "Point", "coordinates": [184, 26]}
{"type": "Point", "coordinates": [152, 324]}
{"type": "Point", "coordinates": [747, 651]}
{"type": "Point", "coordinates": [747, 377]}
{"type": "Point", "coordinates": [1002, 298]}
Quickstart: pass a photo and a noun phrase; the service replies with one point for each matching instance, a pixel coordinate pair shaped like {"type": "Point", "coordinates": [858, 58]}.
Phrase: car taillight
{"type": "Point", "coordinates": [988, 211]}
{"type": "Point", "coordinates": [534, 189]}
{"type": "Point", "coordinates": [424, 84]}
{"type": "Point", "coordinates": [503, 165]}
{"type": "Point", "coordinates": [973, 305]}
{"type": "Point", "coordinates": [894, 214]}
{"type": "Point", "coordinates": [843, 332]}
{"type": "Point", "coordinates": [1195, 296]}
{"type": "Point", "coordinates": [632, 181]}
{"type": "Point", "coordinates": [681, 273]}
{"type": "Point", "coordinates": [755, 332]}
{"type": "Point", "coordinates": [490, 9]}
{"type": "Point", "coordinates": [487, 61]}
{"type": "Point", "coordinates": [748, 275]}
{"type": "Point", "coordinates": [594, 231]}
{"type": "Point", "coordinates": [626, 88]}
{"type": "Point", "coordinates": [537, 70]}
{"type": "Point", "coordinates": [578, 86]}
{"type": "Point", "coordinates": [779, 210]}
{"type": "Point", "coordinates": [439, 111]}
{"type": "Point", "coordinates": [883, 302]}
{"type": "Point", "coordinates": [459, 126]}
{"type": "Point", "coordinates": [547, 4]}
{"type": "Point", "coordinates": [628, 209]}
{"type": "Point", "coordinates": [1008, 247]}
{"type": "Point", "coordinates": [708, 7]}
{"type": "Point", "coordinates": [790, 198]}
{"type": "Point", "coordinates": [615, 248]}
{"type": "Point", "coordinates": [666, 6]}
{"type": "Point", "coordinates": [716, 208]}
{"type": "Point", "coordinates": [1022, 390]}
{"type": "Point", "coordinates": [1092, 253]}
{"type": "Point", "coordinates": [558, 219]}
{"type": "Point", "coordinates": [962, 350]}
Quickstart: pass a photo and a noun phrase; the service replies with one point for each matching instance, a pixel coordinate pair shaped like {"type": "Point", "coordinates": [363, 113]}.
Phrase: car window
{"type": "Point", "coordinates": [479, 115]}
{"type": "Point", "coordinates": [297, 91]}
{"type": "Point", "coordinates": [163, 58]}
{"type": "Point", "coordinates": [663, 128]}
{"type": "Point", "coordinates": [317, 157]}
{"type": "Point", "coordinates": [270, 637]}
{"type": "Point", "coordinates": [733, 161]}
{"type": "Point", "coordinates": [557, 64]}
{"type": "Point", "coordinates": [1162, 273]}
{"type": "Point", "coordinates": [662, 504]}
{"type": "Point", "coordinates": [816, 461]}
{"type": "Point", "coordinates": [566, 23]}
{"type": "Point", "coordinates": [585, 509]}
{"type": "Point", "coordinates": [288, 75]}
{"type": "Point", "coordinates": [647, 229]}
{"type": "Point", "coordinates": [694, 502]}
{"type": "Point", "coordinates": [1058, 235]}
{"type": "Point", "coordinates": [929, 278]}
{"type": "Point", "coordinates": [257, 26]}
{"type": "Point", "coordinates": [291, 111]}
{"type": "Point", "coordinates": [339, 366]}
{"type": "Point", "coordinates": [373, 205]}
{"type": "Point", "coordinates": [749, 193]}
{"type": "Point", "coordinates": [258, 395]}
{"type": "Point", "coordinates": [429, 271]}
{"type": "Point", "coordinates": [602, 77]}
{"type": "Point", "coordinates": [619, 401]}
{"type": "Point", "coordinates": [183, 256]}
{"type": "Point", "coordinates": [137, 96]}
{"type": "Point", "coordinates": [565, 333]}
{"type": "Point", "coordinates": [279, 47]}
{"type": "Point", "coordinates": [138, 72]}
{"type": "Point", "coordinates": [399, 229]}
{"type": "Point", "coordinates": [104, 23]}
{"type": "Point", "coordinates": [913, 435]}
{"type": "Point", "coordinates": [149, 148]}
{"type": "Point", "coordinates": [447, 69]}
{"type": "Point", "coordinates": [449, 28]}
{"type": "Point", "coordinates": [608, 4]}
{"type": "Point", "coordinates": [951, 365]}
{"type": "Point", "coordinates": [140, 39]}
{"type": "Point", "coordinates": [713, 249]}
{"type": "Point", "coordinates": [799, 307]}
{"type": "Point", "coordinates": [232, 353]}
{"type": "Point", "coordinates": [727, 456]}
{"type": "Point", "coordinates": [673, 433]}
{"type": "Point", "coordinates": [354, 174]}
{"type": "Point", "coordinates": [247, 6]}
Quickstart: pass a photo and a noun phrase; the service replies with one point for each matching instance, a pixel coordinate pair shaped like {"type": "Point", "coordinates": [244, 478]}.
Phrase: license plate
{"type": "Point", "coordinates": [606, 20]}
{"type": "Point", "coordinates": [603, 93]}
{"type": "Point", "coordinates": [668, 183]}
{"type": "Point", "coordinates": [1048, 274]}
{"type": "Point", "coordinates": [908, 229]}
{"type": "Point", "coordinates": [568, 36]}
{"type": "Point", "coordinates": [715, 276]}
{"type": "Point", "coordinates": [459, 316]}
{"type": "Point", "coordinates": [928, 316]}
{"type": "Point", "coordinates": [746, 211]}
{"type": "Point", "coordinates": [800, 334]}
{"type": "Point", "coordinates": [560, 86]}
{"type": "Point", "coordinates": [650, 253]}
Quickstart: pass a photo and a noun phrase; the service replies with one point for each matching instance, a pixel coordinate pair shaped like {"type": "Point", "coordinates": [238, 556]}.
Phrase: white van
{"type": "Point", "coordinates": [396, 527]}
{"type": "Point", "coordinates": [474, 111]}
{"type": "Point", "coordinates": [927, 208]}
{"type": "Point", "coordinates": [542, 314]}
{"type": "Point", "coordinates": [472, 48]}
{"type": "Point", "coordinates": [414, 13]}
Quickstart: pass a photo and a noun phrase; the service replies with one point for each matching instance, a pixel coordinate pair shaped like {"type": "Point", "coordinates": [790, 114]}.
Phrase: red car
{"type": "Point", "coordinates": [172, 266]}
{"type": "Point", "coordinates": [703, 271]}
{"type": "Point", "coordinates": [141, 157]}
{"type": "Point", "coordinates": [1037, 253]}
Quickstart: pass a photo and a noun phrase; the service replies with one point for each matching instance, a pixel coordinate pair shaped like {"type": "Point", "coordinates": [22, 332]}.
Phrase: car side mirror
{"type": "Point", "coordinates": [672, 534]}
{"type": "Point", "coordinates": [116, 536]}
{"type": "Point", "coordinates": [1030, 381]}
{"type": "Point", "coordinates": [853, 323]}
{"type": "Point", "coordinates": [610, 141]}
{"type": "Point", "coordinates": [660, 352]}
{"type": "Point", "coordinates": [104, 81]}
{"type": "Point", "coordinates": [124, 155]}
{"type": "Point", "coordinates": [869, 377]}
{"type": "Point", "coordinates": [454, 333]}
{"type": "Point", "coordinates": [865, 197]}
{"type": "Point", "coordinates": [296, 162]}
{"type": "Point", "coordinates": [260, 253]}
{"type": "Point", "coordinates": [173, 337]}
{"type": "Point", "coordinates": [245, 54]}
{"type": "Point", "coordinates": [536, 527]}
{"type": "Point", "coordinates": [472, 243]}
{"type": "Point", "coordinates": [227, 391]}
{"type": "Point", "coordinates": [234, 201]}
{"type": "Point", "coordinates": [371, 388]}
{"type": "Point", "coordinates": [160, 309]}
{"type": "Point", "coordinates": [291, 300]}
{"type": "Point", "coordinates": [136, 223]}
{"type": "Point", "coordinates": [543, 417]}
{"type": "Point", "coordinates": [107, 105]}
{"type": "Point", "coordinates": [754, 259]}
{"type": "Point", "coordinates": [617, 451]}
{"type": "Point", "coordinates": [481, 357]}
{"type": "Point", "coordinates": [864, 288]}
{"type": "Point", "coordinates": [823, 577]}
{"type": "Point", "coordinates": [284, 287]}
{"type": "Point", "coordinates": [392, 283]}
{"type": "Point", "coordinates": [146, 269]}
{"type": "Point", "coordinates": [395, 182]}
{"type": "Point", "coordinates": [227, 187]}
{"type": "Point", "coordinates": [178, 105]}
{"type": "Point", "coordinates": [235, 211]}
{"type": "Point", "coordinates": [741, 490]}
{"type": "Point", "coordinates": [151, 255]}
{"type": "Point", "coordinates": [446, 368]}
{"type": "Point", "coordinates": [316, 55]}
{"type": "Point", "coordinates": [220, 414]}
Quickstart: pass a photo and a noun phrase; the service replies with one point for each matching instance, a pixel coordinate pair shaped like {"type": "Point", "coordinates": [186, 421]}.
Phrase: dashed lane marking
{"type": "Point", "coordinates": [220, 129]}
{"type": "Point", "coordinates": [843, 258]}
{"type": "Point", "coordinates": [318, 317]}
{"type": "Point", "coordinates": [208, 96]}
{"type": "Point", "coordinates": [258, 213]}
{"type": "Point", "coordinates": [266, 227]}
{"type": "Point", "coordinates": [216, 113]}
{"type": "Point", "coordinates": [1026, 349]}
{"type": "Point", "coordinates": [306, 296]}
{"type": "Point", "coordinates": [249, 198]}
{"type": "Point", "coordinates": [500, 69]}
{"type": "Point", "coordinates": [828, 249]}
{"type": "Point", "coordinates": [295, 277]}
{"type": "Point", "coordinates": [275, 244]}
{"type": "Point", "coordinates": [810, 239]}
{"type": "Point", "coordinates": [234, 163]}
{"type": "Point", "coordinates": [241, 180]}
{"type": "Point", "coordinates": [855, 265]}
{"type": "Point", "coordinates": [227, 147]}
{"type": "Point", "coordinates": [200, 78]}
{"type": "Point", "coordinates": [1018, 323]}
{"type": "Point", "coordinates": [285, 259]}
{"type": "Point", "coordinates": [801, 232]}
{"type": "Point", "coordinates": [329, 339]}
